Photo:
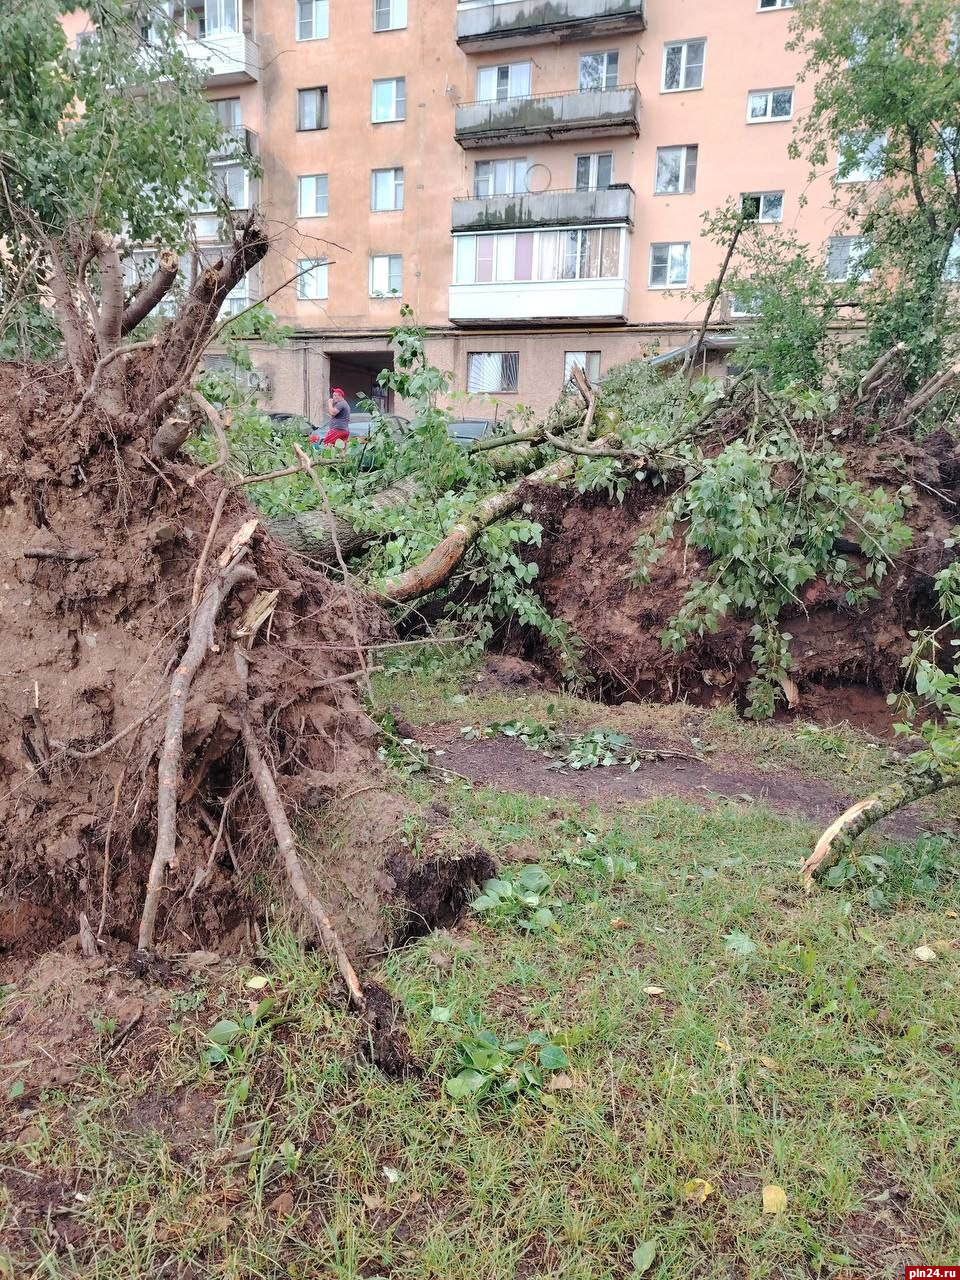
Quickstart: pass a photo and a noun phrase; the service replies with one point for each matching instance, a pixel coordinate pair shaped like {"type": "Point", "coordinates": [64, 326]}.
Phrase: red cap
{"type": "Point", "coordinates": [337, 391]}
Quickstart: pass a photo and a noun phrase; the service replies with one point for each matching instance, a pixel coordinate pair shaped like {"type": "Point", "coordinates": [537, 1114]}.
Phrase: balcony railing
{"type": "Point", "coordinates": [238, 137]}
{"type": "Point", "coordinates": [534, 301]}
{"type": "Point", "coordinates": [502, 25]}
{"type": "Point", "coordinates": [589, 113]}
{"type": "Point", "coordinates": [225, 59]}
{"type": "Point", "coordinates": [544, 208]}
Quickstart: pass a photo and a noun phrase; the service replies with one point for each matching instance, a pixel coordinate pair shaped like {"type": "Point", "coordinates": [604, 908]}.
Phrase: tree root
{"type": "Point", "coordinates": [283, 833]}
{"type": "Point", "coordinates": [840, 835]}
{"type": "Point", "coordinates": [168, 771]}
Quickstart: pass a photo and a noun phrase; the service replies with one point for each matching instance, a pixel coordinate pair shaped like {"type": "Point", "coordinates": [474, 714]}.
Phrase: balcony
{"type": "Point", "coordinates": [545, 208]}
{"type": "Point", "coordinates": [493, 26]}
{"type": "Point", "coordinates": [553, 301]}
{"type": "Point", "coordinates": [227, 59]}
{"type": "Point", "coordinates": [590, 113]}
{"type": "Point", "coordinates": [238, 138]}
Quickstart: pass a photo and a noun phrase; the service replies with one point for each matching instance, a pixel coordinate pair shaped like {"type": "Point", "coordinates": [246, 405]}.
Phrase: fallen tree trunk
{"type": "Point", "coordinates": [437, 566]}
{"type": "Point", "coordinates": [839, 837]}
{"type": "Point", "coordinates": [309, 533]}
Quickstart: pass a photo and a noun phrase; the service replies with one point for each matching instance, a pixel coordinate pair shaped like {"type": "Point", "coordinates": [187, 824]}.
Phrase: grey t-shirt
{"type": "Point", "coordinates": [341, 414]}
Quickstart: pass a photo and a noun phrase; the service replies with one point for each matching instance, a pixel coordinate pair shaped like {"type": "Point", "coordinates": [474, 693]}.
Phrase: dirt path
{"type": "Point", "coordinates": [504, 763]}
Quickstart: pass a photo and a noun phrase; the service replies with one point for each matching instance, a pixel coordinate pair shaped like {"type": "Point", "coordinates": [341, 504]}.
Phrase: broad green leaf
{"type": "Point", "coordinates": [739, 943]}
{"type": "Point", "coordinates": [465, 1084]}
{"type": "Point", "coordinates": [440, 1014]}
{"type": "Point", "coordinates": [553, 1058]}
{"type": "Point", "coordinates": [643, 1257]}
{"type": "Point", "coordinates": [225, 1032]}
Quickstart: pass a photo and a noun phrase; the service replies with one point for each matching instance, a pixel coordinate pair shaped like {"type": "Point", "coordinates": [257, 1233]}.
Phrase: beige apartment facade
{"type": "Point", "coordinates": [529, 176]}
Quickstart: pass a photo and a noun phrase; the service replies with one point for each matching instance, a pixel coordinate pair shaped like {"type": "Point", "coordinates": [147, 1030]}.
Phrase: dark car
{"type": "Point", "coordinates": [295, 423]}
{"type": "Point", "coordinates": [360, 423]}
{"type": "Point", "coordinates": [467, 430]}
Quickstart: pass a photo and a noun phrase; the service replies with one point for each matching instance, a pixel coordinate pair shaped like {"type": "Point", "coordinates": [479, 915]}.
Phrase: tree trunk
{"type": "Point", "coordinates": [840, 835]}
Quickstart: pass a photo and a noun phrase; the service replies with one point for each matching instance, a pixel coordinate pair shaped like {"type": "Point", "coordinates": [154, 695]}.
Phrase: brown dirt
{"type": "Point", "coordinates": [507, 765]}
{"type": "Point", "coordinates": [880, 1235]}
{"type": "Point", "coordinates": [585, 567]}
{"type": "Point", "coordinates": [86, 648]}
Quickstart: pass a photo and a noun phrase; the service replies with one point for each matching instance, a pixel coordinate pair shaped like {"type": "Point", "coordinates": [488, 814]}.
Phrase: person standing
{"type": "Point", "coordinates": [338, 424]}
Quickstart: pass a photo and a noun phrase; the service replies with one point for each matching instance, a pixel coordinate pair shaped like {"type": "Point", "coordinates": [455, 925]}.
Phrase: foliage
{"type": "Point", "coordinates": [593, 749]}
{"type": "Point", "coordinates": [767, 514]}
{"type": "Point", "coordinates": [233, 1046]}
{"type": "Point", "coordinates": [518, 897]}
{"type": "Point", "coordinates": [491, 1068]}
{"type": "Point", "coordinates": [114, 134]}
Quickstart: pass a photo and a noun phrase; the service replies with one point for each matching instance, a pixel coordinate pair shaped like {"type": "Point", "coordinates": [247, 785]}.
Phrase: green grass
{"type": "Point", "coordinates": [823, 1060]}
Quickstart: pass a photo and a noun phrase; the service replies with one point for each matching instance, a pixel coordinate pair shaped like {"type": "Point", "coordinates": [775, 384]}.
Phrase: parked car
{"type": "Point", "coordinates": [295, 423]}
{"type": "Point", "coordinates": [467, 430]}
{"type": "Point", "coordinates": [360, 423]}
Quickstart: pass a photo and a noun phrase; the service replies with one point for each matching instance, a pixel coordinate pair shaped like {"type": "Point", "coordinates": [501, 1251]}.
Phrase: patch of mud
{"type": "Point", "coordinates": [505, 764]}
{"type": "Point", "coordinates": [880, 1235]}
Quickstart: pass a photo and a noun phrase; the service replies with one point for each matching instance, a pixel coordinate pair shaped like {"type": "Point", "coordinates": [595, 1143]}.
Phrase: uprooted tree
{"type": "Point", "coordinates": [179, 694]}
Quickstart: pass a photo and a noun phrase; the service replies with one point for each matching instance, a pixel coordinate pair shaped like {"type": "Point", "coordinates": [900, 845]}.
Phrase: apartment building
{"type": "Point", "coordinates": [528, 175]}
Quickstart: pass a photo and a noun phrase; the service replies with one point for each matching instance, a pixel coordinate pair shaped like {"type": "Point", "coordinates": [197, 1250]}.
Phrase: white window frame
{"type": "Point", "coordinates": [475, 390]}
{"type": "Point", "coordinates": [768, 118]}
{"type": "Point", "coordinates": [772, 6]}
{"type": "Point", "coordinates": [319, 11]}
{"type": "Point", "coordinates": [510, 68]}
{"type": "Point", "coordinates": [590, 364]}
{"type": "Point", "coordinates": [740, 310]}
{"type": "Point", "coordinates": [760, 197]}
{"type": "Point", "coordinates": [313, 283]}
{"type": "Point", "coordinates": [684, 46]}
{"type": "Point", "coordinates": [951, 268]}
{"type": "Point", "coordinates": [853, 257]}
{"type": "Point", "coordinates": [398, 100]}
{"type": "Point", "coordinates": [593, 176]}
{"type": "Point", "coordinates": [516, 169]}
{"type": "Point", "coordinates": [323, 109]}
{"type": "Point", "coordinates": [868, 155]}
{"type": "Point", "coordinates": [214, 14]}
{"type": "Point", "coordinates": [304, 209]}
{"type": "Point", "coordinates": [670, 245]}
{"type": "Point", "coordinates": [502, 255]}
{"type": "Point", "coordinates": [396, 14]}
{"type": "Point", "coordinates": [393, 261]}
{"type": "Point", "coordinates": [398, 190]}
{"type": "Point", "coordinates": [607, 55]}
{"type": "Point", "coordinates": [683, 189]}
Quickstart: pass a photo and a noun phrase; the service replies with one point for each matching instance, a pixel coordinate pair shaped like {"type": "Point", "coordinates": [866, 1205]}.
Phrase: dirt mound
{"type": "Point", "coordinates": [99, 552]}
{"type": "Point", "coordinates": [586, 562]}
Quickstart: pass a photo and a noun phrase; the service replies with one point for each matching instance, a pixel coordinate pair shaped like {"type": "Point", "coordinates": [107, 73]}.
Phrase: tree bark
{"type": "Point", "coordinates": [840, 835]}
{"type": "Point", "coordinates": [309, 533]}
{"type": "Point", "coordinates": [152, 293]}
{"type": "Point", "coordinates": [111, 291]}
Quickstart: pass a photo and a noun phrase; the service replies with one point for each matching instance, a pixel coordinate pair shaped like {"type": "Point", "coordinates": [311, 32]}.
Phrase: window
{"type": "Point", "coordinates": [844, 257]}
{"type": "Point", "coordinates": [388, 100]}
{"type": "Point", "coordinates": [594, 172]}
{"type": "Point", "coordinates": [860, 158]}
{"type": "Point", "coordinates": [745, 306]}
{"type": "Point", "coordinates": [386, 275]}
{"type": "Point", "coordinates": [762, 206]}
{"type": "Point", "coordinates": [578, 253]}
{"type": "Point", "coordinates": [951, 268]}
{"type": "Point", "coordinates": [312, 281]}
{"type": "Point", "coordinates": [313, 19]}
{"type": "Point", "coordinates": [499, 178]}
{"type": "Point", "coordinates": [683, 65]}
{"type": "Point", "coordinates": [386, 190]}
{"type": "Point", "coordinates": [492, 371]}
{"type": "Point", "coordinates": [599, 71]}
{"type": "Point", "coordinates": [589, 362]}
{"type": "Point", "coordinates": [228, 185]}
{"type": "Point", "coordinates": [311, 109]}
{"type": "Point", "coordinates": [764, 5]}
{"type": "Point", "coordinates": [676, 170]}
{"type": "Point", "coordinates": [220, 18]}
{"type": "Point", "coordinates": [669, 265]}
{"type": "Point", "coordinates": [769, 104]}
{"type": "Point", "coordinates": [312, 195]}
{"type": "Point", "coordinates": [227, 111]}
{"type": "Point", "coordinates": [389, 15]}
{"type": "Point", "coordinates": [510, 80]}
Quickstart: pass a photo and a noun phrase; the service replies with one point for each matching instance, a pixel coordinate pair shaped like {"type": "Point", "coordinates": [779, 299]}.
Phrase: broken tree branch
{"type": "Point", "coordinates": [205, 553]}
{"type": "Point", "coordinates": [283, 834]}
{"type": "Point", "coordinates": [840, 835]}
{"type": "Point", "coordinates": [168, 770]}
{"type": "Point", "coordinates": [152, 293]}
{"type": "Point", "coordinates": [690, 359]}
{"type": "Point", "coordinates": [220, 426]}
{"type": "Point", "coordinates": [111, 291]}
{"type": "Point", "coordinates": [929, 391]}
{"type": "Point", "coordinates": [873, 373]}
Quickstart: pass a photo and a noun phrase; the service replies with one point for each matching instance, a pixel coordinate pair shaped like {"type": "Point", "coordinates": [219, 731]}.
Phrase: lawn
{"type": "Point", "coordinates": [687, 1030]}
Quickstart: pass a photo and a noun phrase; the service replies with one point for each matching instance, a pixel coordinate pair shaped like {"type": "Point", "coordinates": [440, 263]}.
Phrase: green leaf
{"type": "Point", "coordinates": [440, 1014]}
{"type": "Point", "coordinates": [543, 919]}
{"type": "Point", "coordinates": [534, 878]}
{"type": "Point", "coordinates": [643, 1257]}
{"type": "Point", "coordinates": [16, 1090]}
{"type": "Point", "coordinates": [553, 1058]}
{"type": "Point", "coordinates": [466, 1083]}
{"type": "Point", "coordinates": [739, 943]}
{"type": "Point", "coordinates": [225, 1032]}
